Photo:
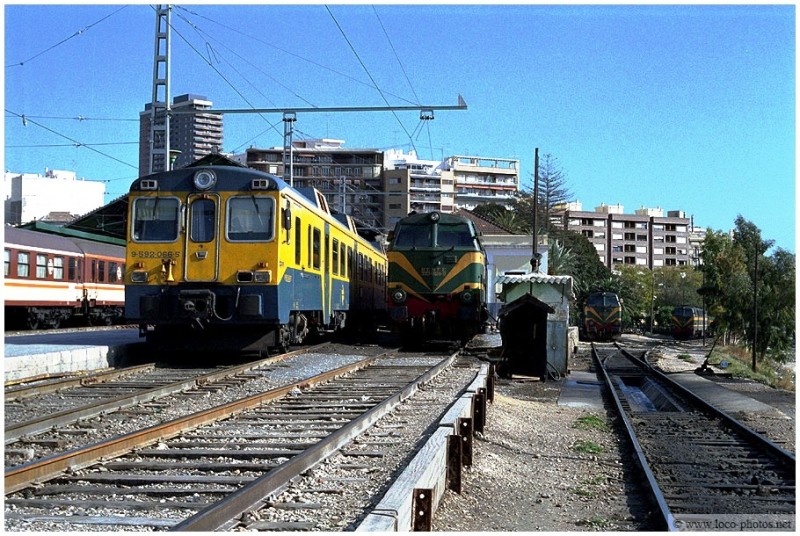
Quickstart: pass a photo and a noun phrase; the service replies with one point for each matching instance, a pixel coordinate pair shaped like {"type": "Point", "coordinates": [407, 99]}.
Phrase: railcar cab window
{"type": "Point", "coordinates": [203, 219]}
{"type": "Point", "coordinates": [251, 219]}
{"type": "Point", "coordinates": [155, 219]}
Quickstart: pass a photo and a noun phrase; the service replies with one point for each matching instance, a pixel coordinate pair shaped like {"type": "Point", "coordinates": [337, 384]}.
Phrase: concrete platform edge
{"type": "Point", "coordinates": [66, 361]}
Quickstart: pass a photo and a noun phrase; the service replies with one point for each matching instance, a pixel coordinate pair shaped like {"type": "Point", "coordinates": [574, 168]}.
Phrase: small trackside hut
{"type": "Point", "coordinates": [534, 324]}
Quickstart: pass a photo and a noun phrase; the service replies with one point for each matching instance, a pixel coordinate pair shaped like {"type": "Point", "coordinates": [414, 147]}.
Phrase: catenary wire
{"type": "Point", "coordinates": [289, 53]}
{"type": "Point", "coordinates": [75, 142]}
{"type": "Point", "coordinates": [76, 34]}
{"type": "Point", "coordinates": [352, 48]}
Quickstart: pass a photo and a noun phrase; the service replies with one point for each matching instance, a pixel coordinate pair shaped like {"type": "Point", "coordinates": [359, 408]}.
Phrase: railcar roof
{"type": "Point", "coordinates": [36, 239]}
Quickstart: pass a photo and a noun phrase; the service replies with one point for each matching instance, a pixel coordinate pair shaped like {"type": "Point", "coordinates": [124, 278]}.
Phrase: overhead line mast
{"type": "Point", "coordinates": [160, 105]}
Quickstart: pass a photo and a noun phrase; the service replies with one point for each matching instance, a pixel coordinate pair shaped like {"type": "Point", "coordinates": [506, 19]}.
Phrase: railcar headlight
{"type": "Point", "coordinates": [262, 276]}
{"type": "Point", "coordinates": [399, 295]}
{"type": "Point", "coordinates": [139, 276]}
{"type": "Point", "coordinates": [434, 217]}
{"type": "Point", "coordinates": [205, 179]}
{"type": "Point", "coordinates": [466, 297]}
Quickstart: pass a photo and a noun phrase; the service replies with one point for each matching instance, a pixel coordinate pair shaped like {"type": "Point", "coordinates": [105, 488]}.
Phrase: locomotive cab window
{"type": "Point", "coordinates": [413, 236]}
{"type": "Point", "coordinates": [458, 235]}
{"type": "Point", "coordinates": [251, 219]}
{"type": "Point", "coordinates": [155, 219]}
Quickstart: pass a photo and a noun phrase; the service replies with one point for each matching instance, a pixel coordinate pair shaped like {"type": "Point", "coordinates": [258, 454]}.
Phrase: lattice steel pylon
{"type": "Point", "coordinates": [160, 105]}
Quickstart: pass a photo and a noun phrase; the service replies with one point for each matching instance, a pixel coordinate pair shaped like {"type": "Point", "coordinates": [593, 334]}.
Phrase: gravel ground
{"type": "Point", "coordinates": [529, 475]}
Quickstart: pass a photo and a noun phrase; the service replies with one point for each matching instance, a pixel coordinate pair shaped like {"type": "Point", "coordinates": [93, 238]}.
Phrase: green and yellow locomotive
{"type": "Point", "coordinates": [689, 322]}
{"type": "Point", "coordinates": [229, 257]}
{"type": "Point", "coordinates": [602, 316]}
{"type": "Point", "coordinates": [437, 277]}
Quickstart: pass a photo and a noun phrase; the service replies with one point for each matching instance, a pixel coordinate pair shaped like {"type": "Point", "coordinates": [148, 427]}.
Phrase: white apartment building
{"type": "Point", "coordinates": [30, 196]}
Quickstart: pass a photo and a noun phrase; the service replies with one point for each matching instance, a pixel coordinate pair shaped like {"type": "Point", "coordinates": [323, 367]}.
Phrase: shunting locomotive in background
{"type": "Point", "coordinates": [602, 316]}
{"type": "Point", "coordinates": [229, 257]}
{"type": "Point", "coordinates": [689, 322]}
{"type": "Point", "coordinates": [51, 280]}
{"type": "Point", "coordinates": [437, 277]}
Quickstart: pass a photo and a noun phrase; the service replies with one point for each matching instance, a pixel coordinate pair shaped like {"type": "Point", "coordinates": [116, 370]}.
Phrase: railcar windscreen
{"type": "Point", "coordinates": [155, 219]}
{"type": "Point", "coordinates": [250, 219]}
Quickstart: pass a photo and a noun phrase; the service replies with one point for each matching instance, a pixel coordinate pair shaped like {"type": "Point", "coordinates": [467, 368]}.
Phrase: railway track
{"type": "Point", "coordinates": [224, 466]}
{"type": "Point", "coordinates": [48, 417]}
{"type": "Point", "coordinates": [705, 470]}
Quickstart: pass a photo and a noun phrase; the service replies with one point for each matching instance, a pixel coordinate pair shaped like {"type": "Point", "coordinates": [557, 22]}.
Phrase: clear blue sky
{"type": "Point", "coordinates": [682, 107]}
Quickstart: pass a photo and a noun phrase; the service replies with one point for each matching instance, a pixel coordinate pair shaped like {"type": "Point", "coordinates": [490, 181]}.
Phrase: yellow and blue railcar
{"type": "Point", "coordinates": [437, 277]}
{"type": "Point", "coordinates": [602, 316]}
{"type": "Point", "coordinates": [230, 257]}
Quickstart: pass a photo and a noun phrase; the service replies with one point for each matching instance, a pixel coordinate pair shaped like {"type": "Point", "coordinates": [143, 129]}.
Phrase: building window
{"type": "Point", "coordinates": [630, 236]}
{"type": "Point", "coordinates": [587, 233]}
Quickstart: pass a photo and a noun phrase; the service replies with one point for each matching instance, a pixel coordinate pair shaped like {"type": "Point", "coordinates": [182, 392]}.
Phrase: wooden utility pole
{"type": "Point", "coordinates": [755, 304]}
{"type": "Point", "coordinates": [535, 257]}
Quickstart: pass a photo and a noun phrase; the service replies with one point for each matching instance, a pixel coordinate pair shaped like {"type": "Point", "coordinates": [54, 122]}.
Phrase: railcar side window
{"type": "Point", "coordinates": [113, 273]}
{"type": "Point", "coordinates": [58, 267]}
{"type": "Point", "coordinates": [101, 271]}
{"type": "Point", "coordinates": [317, 247]}
{"type": "Point", "coordinates": [203, 220]}
{"type": "Point", "coordinates": [298, 249]}
{"type": "Point", "coordinates": [41, 266]}
{"type": "Point", "coordinates": [335, 260]}
{"type": "Point", "coordinates": [23, 264]}
{"type": "Point", "coordinates": [7, 262]}
{"type": "Point", "coordinates": [251, 219]}
{"type": "Point", "coordinates": [155, 219]}
{"type": "Point", "coordinates": [342, 260]}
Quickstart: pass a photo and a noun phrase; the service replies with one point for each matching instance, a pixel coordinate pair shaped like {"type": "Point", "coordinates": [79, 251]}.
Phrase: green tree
{"type": "Point", "coordinates": [490, 211]}
{"type": "Point", "coordinates": [560, 259]}
{"type": "Point", "coordinates": [751, 295]}
{"type": "Point", "coordinates": [552, 191]}
{"type": "Point", "coordinates": [587, 271]}
{"type": "Point", "coordinates": [552, 188]}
